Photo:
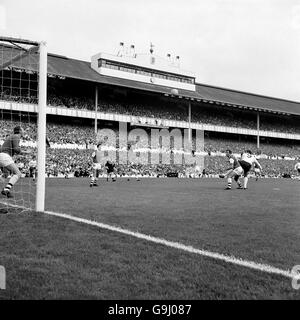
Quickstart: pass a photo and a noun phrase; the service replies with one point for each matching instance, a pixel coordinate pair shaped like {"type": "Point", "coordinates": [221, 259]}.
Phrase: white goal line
{"type": "Point", "coordinates": [217, 256]}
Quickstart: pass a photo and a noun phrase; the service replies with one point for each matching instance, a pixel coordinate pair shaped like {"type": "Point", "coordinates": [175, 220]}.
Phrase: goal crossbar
{"type": "Point", "coordinates": [33, 49]}
{"type": "Point", "coordinates": [19, 40]}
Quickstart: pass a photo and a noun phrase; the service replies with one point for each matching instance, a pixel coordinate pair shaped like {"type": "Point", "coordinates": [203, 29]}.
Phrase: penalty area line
{"type": "Point", "coordinates": [176, 245]}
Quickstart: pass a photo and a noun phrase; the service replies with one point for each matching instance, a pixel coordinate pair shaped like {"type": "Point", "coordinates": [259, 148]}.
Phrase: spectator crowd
{"type": "Point", "coordinates": [203, 114]}
{"type": "Point", "coordinates": [71, 142]}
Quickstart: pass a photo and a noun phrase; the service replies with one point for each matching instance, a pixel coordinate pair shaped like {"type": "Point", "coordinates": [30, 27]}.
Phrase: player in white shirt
{"type": "Point", "coordinates": [20, 165]}
{"type": "Point", "coordinates": [246, 162]}
{"type": "Point", "coordinates": [96, 167]}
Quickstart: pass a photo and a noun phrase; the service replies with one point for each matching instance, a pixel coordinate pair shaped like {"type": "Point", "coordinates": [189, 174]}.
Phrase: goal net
{"type": "Point", "coordinates": [23, 77]}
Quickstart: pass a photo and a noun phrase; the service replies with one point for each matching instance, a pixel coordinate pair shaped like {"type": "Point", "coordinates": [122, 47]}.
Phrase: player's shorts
{"type": "Point", "coordinates": [257, 170]}
{"type": "Point", "coordinates": [238, 171]}
{"type": "Point", "coordinates": [110, 171]}
{"type": "Point", "coordinates": [298, 170]}
{"type": "Point", "coordinates": [246, 166]}
{"type": "Point", "coordinates": [97, 166]}
{"type": "Point", "coordinates": [5, 159]}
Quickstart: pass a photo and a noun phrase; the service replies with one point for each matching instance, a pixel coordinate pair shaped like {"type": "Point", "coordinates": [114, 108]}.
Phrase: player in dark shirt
{"type": "Point", "coordinates": [9, 148]}
{"type": "Point", "coordinates": [110, 170]}
{"type": "Point", "coordinates": [235, 171]}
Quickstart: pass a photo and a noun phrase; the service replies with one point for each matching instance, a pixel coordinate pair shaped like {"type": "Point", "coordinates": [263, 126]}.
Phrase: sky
{"type": "Point", "coordinates": [246, 45]}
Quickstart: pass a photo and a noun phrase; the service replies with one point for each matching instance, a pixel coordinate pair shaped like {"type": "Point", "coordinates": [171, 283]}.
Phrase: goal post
{"type": "Point", "coordinates": [23, 101]}
{"type": "Point", "coordinates": [41, 132]}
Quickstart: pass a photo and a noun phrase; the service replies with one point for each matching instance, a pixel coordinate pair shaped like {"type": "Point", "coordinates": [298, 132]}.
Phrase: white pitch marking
{"type": "Point", "coordinates": [217, 256]}
{"type": "Point", "coordinates": [231, 259]}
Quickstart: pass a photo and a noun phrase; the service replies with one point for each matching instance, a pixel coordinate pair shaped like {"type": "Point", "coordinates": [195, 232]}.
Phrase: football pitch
{"type": "Point", "coordinates": [155, 239]}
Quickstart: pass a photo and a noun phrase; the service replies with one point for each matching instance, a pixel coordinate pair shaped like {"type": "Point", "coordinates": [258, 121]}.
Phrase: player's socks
{"type": "Point", "coordinates": [229, 182]}
{"type": "Point", "coordinates": [8, 187]}
{"type": "Point", "coordinates": [92, 181]}
{"type": "Point", "coordinates": [245, 182]}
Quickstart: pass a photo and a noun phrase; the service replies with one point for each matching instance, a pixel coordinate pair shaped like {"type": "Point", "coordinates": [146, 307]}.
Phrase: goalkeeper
{"type": "Point", "coordinates": [10, 147]}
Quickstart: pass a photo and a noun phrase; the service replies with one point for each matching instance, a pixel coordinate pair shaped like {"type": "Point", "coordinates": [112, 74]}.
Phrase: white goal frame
{"type": "Point", "coordinates": [41, 110]}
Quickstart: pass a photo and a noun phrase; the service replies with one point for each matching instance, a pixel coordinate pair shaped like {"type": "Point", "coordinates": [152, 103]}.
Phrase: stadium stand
{"type": "Point", "coordinates": [213, 114]}
{"type": "Point", "coordinates": [76, 159]}
{"type": "Point", "coordinates": [78, 163]}
{"type": "Point", "coordinates": [71, 85]}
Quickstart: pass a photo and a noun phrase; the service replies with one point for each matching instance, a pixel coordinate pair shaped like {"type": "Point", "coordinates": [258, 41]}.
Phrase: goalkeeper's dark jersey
{"type": "Point", "coordinates": [110, 166]}
{"type": "Point", "coordinates": [11, 145]}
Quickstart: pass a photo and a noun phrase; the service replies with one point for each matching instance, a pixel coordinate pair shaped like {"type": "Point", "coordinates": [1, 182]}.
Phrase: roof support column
{"type": "Point", "coordinates": [96, 111]}
{"type": "Point", "coordinates": [190, 119]}
{"type": "Point", "coordinates": [258, 124]}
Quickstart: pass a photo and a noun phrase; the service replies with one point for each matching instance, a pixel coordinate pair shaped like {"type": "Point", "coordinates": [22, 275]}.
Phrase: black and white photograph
{"type": "Point", "coordinates": [149, 153]}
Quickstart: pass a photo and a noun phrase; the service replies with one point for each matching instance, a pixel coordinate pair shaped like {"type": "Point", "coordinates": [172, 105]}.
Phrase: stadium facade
{"type": "Point", "coordinates": [247, 116]}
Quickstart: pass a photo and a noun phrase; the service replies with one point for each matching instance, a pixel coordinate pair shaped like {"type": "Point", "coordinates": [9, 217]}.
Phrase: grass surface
{"type": "Point", "coordinates": [48, 257]}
